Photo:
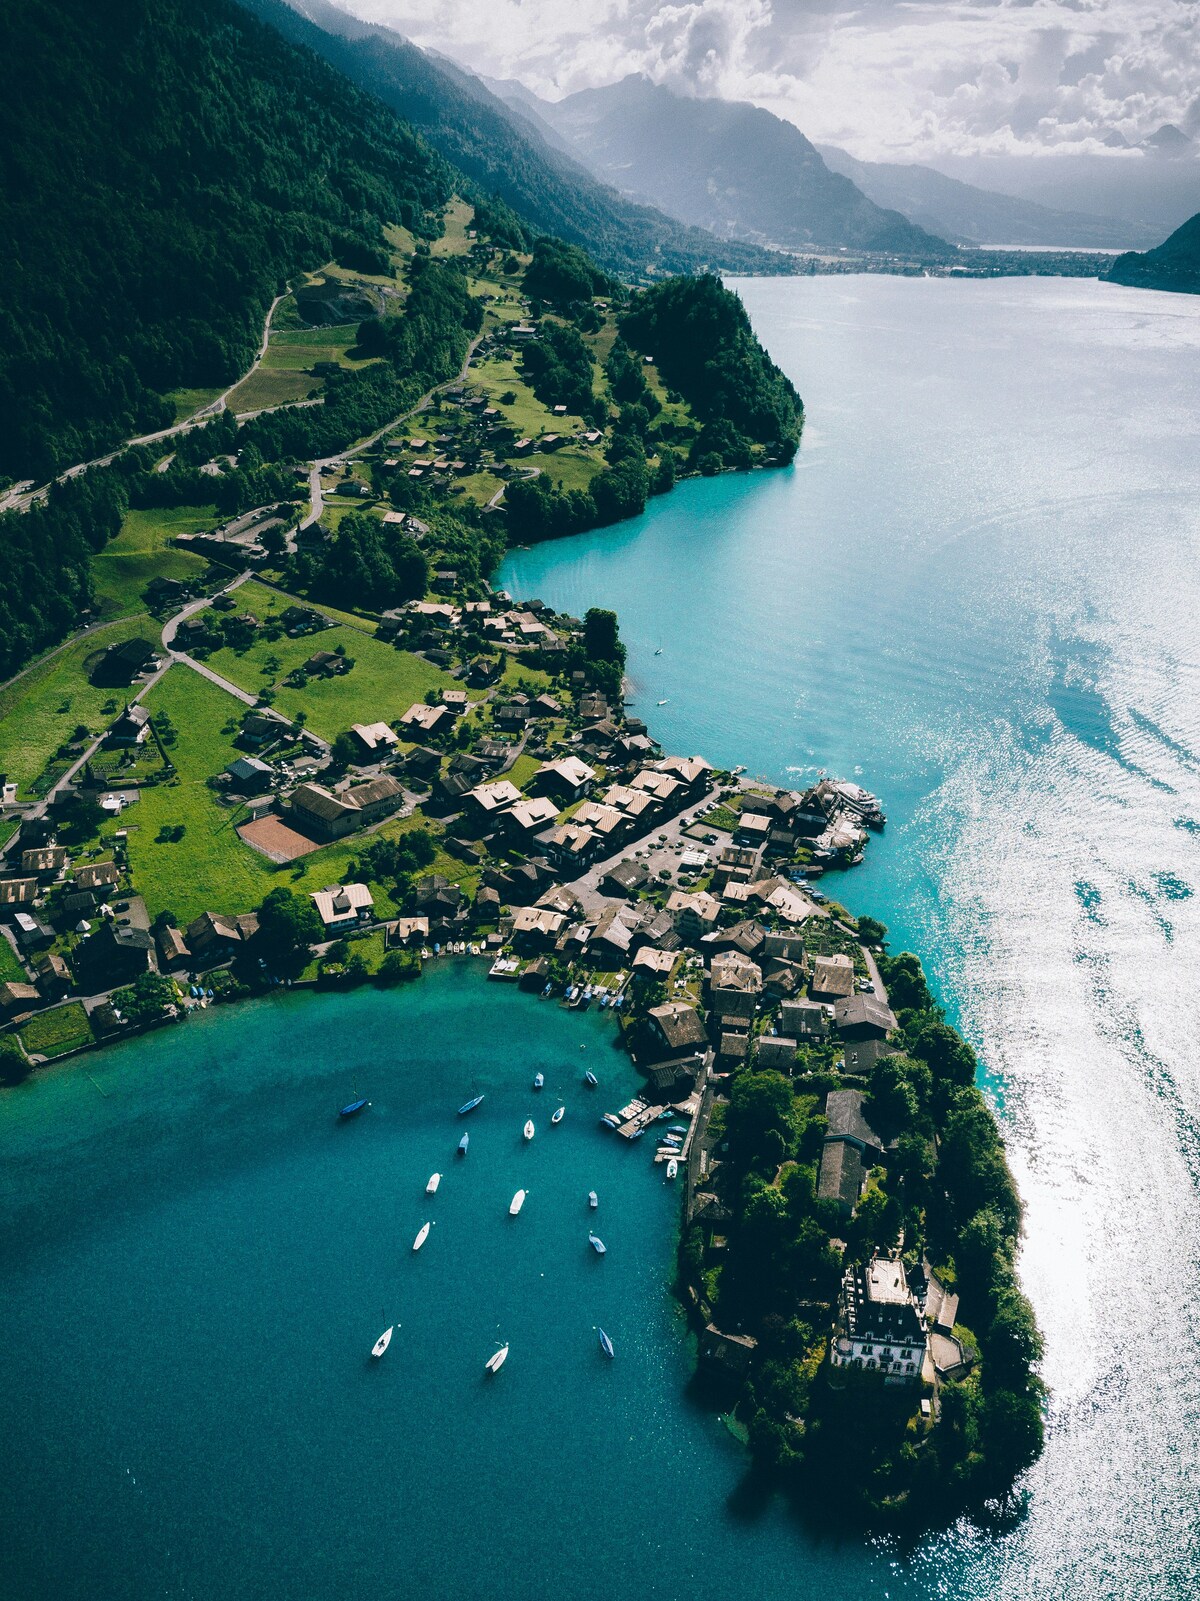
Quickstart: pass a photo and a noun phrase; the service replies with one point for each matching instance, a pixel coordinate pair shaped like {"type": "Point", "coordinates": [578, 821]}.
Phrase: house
{"type": "Point", "coordinates": [53, 976]}
{"type": "Point", "coordinates": [422, 762]}
{"type": "Point", "coordinates": [18, 998]}
{"type": "Point", "coordinates": [730, 1354]}
{"type": "Point", "coordinates": [665, 788]}
{"type": "Point", "coordinates": [863, 1056]}
{"type": "Point", "coordinates": [805, 1020]}
{"type": "Point", "coordinates": [611, 825]}
{"type": "Point", "coordinates": [324, 663]}
{"type": "Point", "coordinates": [527, 817]}
{"type": "Point", "coordinates": [511, 714]}
{"type": "Point", "coordinates": [376, 739]}
{"type": "Point", "coordinates": [752, 829]}
{"type": "Point", "coordinates": [438, 899]}
{"type": "Point", "coordinates": [879, 1326]}
{"type": "Point", "coordinates": [172, 948]}
{"type": "Point", "coordinates": [625, 878]}
{"type": "Point", "coordinates": [693, 772]}
{"type": "Point", "coordinates": [212, 937]}
{"type": "Point", "coordinates": [421, 719]}
{"type": "Point", "coordinates": [112, 955]}
{"type": "Point", "coordinates": [566, 779]}
{"type": "Point", "coordinates": [322, 813]}
{"type": "Point", "coordinates": [407, 931]}
{"type": "Point", "coordinates": [131, 728]}
{"type": "Point", "coordinates": [250, 776]}
{"type": "Point", "coordinates": [833, 978]}
{"type": "Point", "coordinates": [96, 875]}
{"type": "Point", "coordinates": [261, 726]}
{"type": "Point", "coordinates": [376, 799]}
{"type": "Point", "coordinates": [455, 701]}
{"type": "Point", "coordinates": [844, 1116]}
{"type": "Point", "coordinates": [571, 846]}
{"type": "Point", "coordinates": [124, 662]}
{"type": "Point", "coordinates": [46, 861]}
{"type": "Point", "coordinates": [693, 913]}
{"type": "Point", "coordinates": [640, 808]}
{"type": "Point", "coordinates": [678, 1027]}
{"type": "Point", "coordinates": [777, 1051]}
{"type": "Point", "coordinates": [784, 945]}
{"type": "Point", "coordinates": [655, 963]}
{"type": "Point", "coordinates": [536, 925]}
{"type": "Point", "coordinates": [734, 984]}
{"type": "Point", "coordinates": [560, 898]}
{"type": "Point", "coordinates": [615, 930]}
{"type": "Point", "coordinates": [343, 906]}
{"type": "Point", "coordinates": [17, 892]}
{"type": "Point", "coordinates": [484, 671]}
{"type": "Point", "coordinates": [489, 800]}
{"type": "Point", "coordinates": [863, 1017]}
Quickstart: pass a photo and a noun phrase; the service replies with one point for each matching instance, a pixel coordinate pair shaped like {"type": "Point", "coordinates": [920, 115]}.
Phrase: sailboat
{"type": "Point", "coordinates": [517, 1202]}
{"type": "Point", "coordinates": [528, 1129]}
{"type": "Point", "coordinates": [558, 1116]}
{"type": "Point", "coordinates": [432, 1187]}
{"type": "Point", "coordinates": [606, 1344]}
{"type": "Point", "coordinates": [422, 1236]}
{"type": "Point", "coordinates": [497, 1360]}
{"type": "Point", "coordinates": [382, 1343]}
{"type": "Point", "coordinates": [597, 1244]}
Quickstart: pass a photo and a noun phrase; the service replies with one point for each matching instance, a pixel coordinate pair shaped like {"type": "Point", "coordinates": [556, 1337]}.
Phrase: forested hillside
{"type": "Point", "coordinates": [165, 165]}
{"type": "Point", "coordinates": [505, 155]}
{"type": "Point", "coordinates": [1175, 264]}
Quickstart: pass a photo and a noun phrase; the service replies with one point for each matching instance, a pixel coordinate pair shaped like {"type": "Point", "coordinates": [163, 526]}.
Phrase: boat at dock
{"type": "Point", "coordinates": [422, 1236]}
{"type": "Point", "coordinates": [606, 1344]}
{"type": "Point", "coordinates": [538, 1080]}
{"type": "Point", "coordinates": [497, 1360]}
{"type": "Point", "coordinates": [558, 1116]}
{"type": "Point", "coordinates": [463, 1143]}
{"type": "Point", "coordinates": [677, 1128]}
{"type": "Point", "coordinates": [382, 1343]}
{"type": "Point", "coordinates": [528, 1130]}
{"type": "Point", "coordinates": [672, 1168]}
{"type": "Point", "coordinates": [597, 1244]}
{"type": "Point", "coordinates": [432, 1187]}
{"type": "Point", "coordinates": [611, 1120]}
{"type": "Point", "coordinates": [353, 1108]}
{"type": "Point", "coordinates": [469, 1106]}
{"type": "Point", "coordinates": [593, 1200]}
{"type": "Point", "coordinates": [517, 1202]}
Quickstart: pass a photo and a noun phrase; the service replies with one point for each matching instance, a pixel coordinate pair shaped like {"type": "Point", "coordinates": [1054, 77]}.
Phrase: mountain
{"type": "Point", "coordinates": [1175, 264]}
{"type": "Point", "coordinates": [164, 166]}
{"type": "Point", "coordinates": [963, 212]}
{"type": "Point", "coordinates": [505, 154]}
{"type": "Point", "coordinates": [729, 167]}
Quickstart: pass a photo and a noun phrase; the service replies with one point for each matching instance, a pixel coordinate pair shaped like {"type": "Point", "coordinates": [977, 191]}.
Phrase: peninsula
{"type": "Point", "coordinates": [267, 721]}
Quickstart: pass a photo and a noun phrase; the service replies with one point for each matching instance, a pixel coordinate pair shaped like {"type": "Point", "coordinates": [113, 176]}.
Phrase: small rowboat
{"type": "Point", "coordinates": [538, 1080]}
{"type": "Point", "coordinates": [469, 1106]}
{"type": "Point", "coordinates": [593, 1200]}
{"type": "Point", "coordinates": [558, 1116]}
{"type": "Point", "coordinates": [672, 1168]}
{"type": "Point", "coordinates": [422, 1236]}
{"type": "Point", "coordinates": [382, 1343]}
{"type": "Point", "coordinates": [432, 1187]}
{"type": "Point", "coordinates": [353, 1108]}
{"type": "Point", "coordinates": [497, 1360]}
{"type": "Point", "coordinates": [590, 1079]}
{"type": "Point", "coordinates": [606, 1344]}
{"type": "Point", "coordinates": [517, 1202]}
{"type": "Point", "coordinates": [597, 1244]}
{"type": "Point", "coordinates": [463, 1143]}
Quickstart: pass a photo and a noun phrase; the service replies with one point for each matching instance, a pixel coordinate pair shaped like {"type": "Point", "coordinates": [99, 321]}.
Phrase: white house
{"type": "Point", "coordinates": [879, 1324]}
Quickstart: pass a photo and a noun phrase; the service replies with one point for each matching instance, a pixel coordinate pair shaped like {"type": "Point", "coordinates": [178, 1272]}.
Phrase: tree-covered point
{"type": "Point", "coordinates": [165, 167]}
{"type": "Point", "coordinates": [699, 336]}
{"type": "Point", "coordinates": [558, 367]}
{"type": "Point", "coordinates": [563, 274]}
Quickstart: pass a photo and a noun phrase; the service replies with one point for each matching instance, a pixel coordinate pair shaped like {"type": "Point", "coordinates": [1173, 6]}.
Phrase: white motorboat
{"type": "Point", "coordinates": [432, 1187]}
{"type": "Point", "coordinates": [559, 1115]}
{"type": "Point", "coordinates": [597, 1244]}
{"type": "Point", "coordinates": [517, 1202]}
{"type": "Point", "coordinates": [672, 1168]}
{"type": "Point", "coordinates": [538, 1080]}
{"type": "Point", "coordinates": [497, 1360]}
{"type": "Point", "coordinates": [528, 1130]}
{"type": "Point", "coordinates": [422, 1236]}
{"type": "Point", "coordinates": [593, 1200]}
{"type": "Point", "coordinates": [382, 1343]}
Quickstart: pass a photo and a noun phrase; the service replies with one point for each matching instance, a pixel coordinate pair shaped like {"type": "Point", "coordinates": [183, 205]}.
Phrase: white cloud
{"type": "Point", "coordinates": [908, 78]}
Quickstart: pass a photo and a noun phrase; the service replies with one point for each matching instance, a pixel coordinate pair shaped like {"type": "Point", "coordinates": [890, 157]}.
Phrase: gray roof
{"type": "Point", "coordinates": [864, 1011]}
{"type": "Point", "coordinates": [843, 1112]}
{"type": "Point", "coordinates": [841, 1175]}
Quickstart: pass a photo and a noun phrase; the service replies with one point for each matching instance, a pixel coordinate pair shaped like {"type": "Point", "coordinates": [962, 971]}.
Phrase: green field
{"type": "Point", "coordinates": [499, 376]}
{"type": "Point", "coordinates": [40, 710]}
{"type": "Point", "coordinates": [11, 970]}
{"type": "Point", "coordinates": [285, 371]}
{"type": "Point", "coordinates": [262, 601]}
{"type": "Point", "coordinates": [570, 468]}
{"type": "Point", "coordinates": [53, 1033]}
{"type": "Point", "coordinates": [188, 402]}
{"type": "Point", "coordinates": [142, 551]}
{"type": "Point", "coordinates": [454, 242]}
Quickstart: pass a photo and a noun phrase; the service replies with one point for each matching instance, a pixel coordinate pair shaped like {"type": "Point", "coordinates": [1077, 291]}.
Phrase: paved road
{"type": "Point", "coordinates": [662, 853]}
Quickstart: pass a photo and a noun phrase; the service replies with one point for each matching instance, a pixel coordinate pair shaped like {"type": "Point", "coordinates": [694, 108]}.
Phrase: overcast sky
{"type": "Point", "coordinates": [911, 78]}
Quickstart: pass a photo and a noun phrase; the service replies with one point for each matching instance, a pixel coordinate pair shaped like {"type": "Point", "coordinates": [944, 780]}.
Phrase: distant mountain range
{"type": "Point", "coordinates": [1175, 264]}
{"type": "Point", "coordinates": [965, 213]}
{"type": "Point", "coordinates": [726, 166]}
{"type": "Point", "coordinates": [502, 152]}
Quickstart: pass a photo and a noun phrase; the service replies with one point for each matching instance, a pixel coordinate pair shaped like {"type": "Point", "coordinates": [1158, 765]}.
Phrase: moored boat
{"type": "Point", "coordinates": [353, 1108]}
{"type": "Point", "coordinates": [590, 1079]}
{"type": "Point", "coordinates": [382, 1343]}
{"type": "Point", "coordinates": [672, 1168]}
{"type": "Point", "coordinates": [597, 1244]}
{"type": "Point", "coordinates": [517, 1202]}
{"type": "Point", "coordinates": [422, 1236]}
{"type": "Point", "coordinates": [558, 1116]}
{"type": "Point", "coordinates": [538, 1080]}
{"type": "Point", "coordinates": [593, 1200]}
{"type": "Point", "coordinates": [497, 1360]}
{"type": "Point", "coordinates": [463, 1143]}
{"type": "Point", "coordinates": [469, 1106]}
{"type": "Point", "coordinates": [432, 1187]}
{"type": "Point", "coordinates": [606, 1344]}
{"type": "Point", "coordinates": [528, 1130]}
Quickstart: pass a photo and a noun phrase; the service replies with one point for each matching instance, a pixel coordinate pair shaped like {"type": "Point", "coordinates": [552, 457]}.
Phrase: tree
{"type": "Point", "coordinates": [872, 930]}
{"type": "Point", "coordinates": [14, 1063]}
{"type": "Point", "coordinates": [1013, 1432]}
{"type": "Point", "coordinates": [760, 1123]}
{"type": "Point", "coordinates": [344, 751]}
{"type": "Point", "coordinates": [288, 924]}
{"type": "Point", "coordinates": [147, 998]}
{"type": "Point", "coordinates": [1014, 1342]}
{"type": "Point", "coordinates": [601, 636]}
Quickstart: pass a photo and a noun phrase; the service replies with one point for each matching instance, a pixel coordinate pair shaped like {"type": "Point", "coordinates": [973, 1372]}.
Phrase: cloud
{"type": "Point", "coordinates": [887, 78]}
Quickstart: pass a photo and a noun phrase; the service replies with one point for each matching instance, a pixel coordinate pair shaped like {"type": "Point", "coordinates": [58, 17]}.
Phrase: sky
{"type": "Point", "coordinates": [888, 79]}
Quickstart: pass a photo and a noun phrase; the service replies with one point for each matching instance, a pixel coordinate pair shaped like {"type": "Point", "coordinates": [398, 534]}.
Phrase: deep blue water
{"type": "Point", "coordinates": [978, 590]}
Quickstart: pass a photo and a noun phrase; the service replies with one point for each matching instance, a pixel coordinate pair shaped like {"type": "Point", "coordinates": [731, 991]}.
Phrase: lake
{"type": "Point", "coordinates": [978, 591]}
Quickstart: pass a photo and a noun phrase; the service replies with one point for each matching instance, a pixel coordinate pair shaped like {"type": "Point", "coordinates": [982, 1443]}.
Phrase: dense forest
{"type": "Point", "coordinates": [1175, 264]}
{"type": "Point", "coordinates": [947, 1192]}
{"type": "Point", "coordinates": [165, 166]}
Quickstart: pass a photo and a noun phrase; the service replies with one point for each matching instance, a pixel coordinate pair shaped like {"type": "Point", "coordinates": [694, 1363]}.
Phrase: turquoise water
{"type": "Point", "coordinates": [979, 586]}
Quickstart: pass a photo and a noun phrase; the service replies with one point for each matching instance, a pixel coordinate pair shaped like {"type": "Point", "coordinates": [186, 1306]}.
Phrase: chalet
{"type": "Point", "coordinates": [752, 829]}
{"type": "Point", "coordinates": [324, 664]}
{"type": "Point", "coordinates": [730, 1354]}
{"type": "Point", "coordinates": [489, 800]}
{"type": "Point", "coordinates": [693, 772]}
{"type": "Point", "coordinates": [46, 861]}
{"type": "Point", "coordinates": [615, 930]}
{"type": "Point", "coordinates": [625, 878]}
{"type": "Point", "coordinates": [511, 714]}
{"type": "Point", "coordinates": [806, 1020]}
{"type": "Point", "coordinates": [261, 726]}
{"type": "Point", "coordinates": [376, 739]}
{"type": "Point", "coordinates": [302, 620]}
{"type": "Point", "coordinates": [31, 932]}
{"type": "Point", "coordinates": [746, 937]}
{"type": "Point", "coordinates": [571, 846]}
{"type": "Point", "coordinates": [694, 914]}
{"type": "Point", "coordinates": [213, 937]}
{"type": "Point", "coordinates": [663, 786]}
{"type": "Point", "coordinates": [734, 985]}
{"type": "Point", "coordinates": [844, 1116]}
{"type": "Point", "coordinates": [131, 728]}
{"type": "Point", "coordinates": [53, 976]}
{"type": "Point", "coordinates": [124, 662]}
{"type": "Point", "coordinates": [426, 720]}
{"type": "Point", "coordinates": [407, 931]}
{"type": "Point", "coordinates": [536, 926]}
{"type": "Point", "coordinates": [528, 817]}
{"type": "Point", "coordinates": [567, 779]}
{"type": "Point", "coordinates": [640, 808]}
{"type": "Point", "coordinates": [863, 1017]}
{"type": "Point", "coordinates": [421, 762]}
{"type": "Point", "coordinates": [455, 701]}
{"type": "Point", "coordinates": [438, 899]}
{"type": "Point", "coordinates": [483, 671]}
{"type": "Point", "coordinates": [611, 825]}
{"type": "Point", "coordinates": [879, 1327]}
{"type": "Point", "coordinates": [777, 1051]}
{"type": "Point", "coordinates": [112, 955]}
{"type": "Point", "coordinates": [863, 1056]}
{"type": "Point", "coordinates": [833, 978]}
{"type": "Point", "coordinates": [678, 1028]}
{"type": "Point", "coordinates": [841, 1175]}
{"type": "Point", "coordinates": [97, 875]}
{"type": "Point", "coordinates": [593, 707]}
{"type": "Point", "coordinates": [17, 998]}
{"type": "Point", "coordinates": [172, 948]}
{"type": "Point", "coordinates": [655, 963]}
{"type": "Point", "coordinates": [343, 906]}
{"type": "Point", "coordinates": [784, 945]}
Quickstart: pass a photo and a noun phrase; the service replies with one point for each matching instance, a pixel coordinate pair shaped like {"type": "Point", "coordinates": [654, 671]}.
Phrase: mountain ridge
{"type": "Point", "coordinates": [1174, 265]}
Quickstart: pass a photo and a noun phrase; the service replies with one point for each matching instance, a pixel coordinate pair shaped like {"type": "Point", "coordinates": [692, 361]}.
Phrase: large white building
{"type": "Point", "coordinates": [879, 1324]}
